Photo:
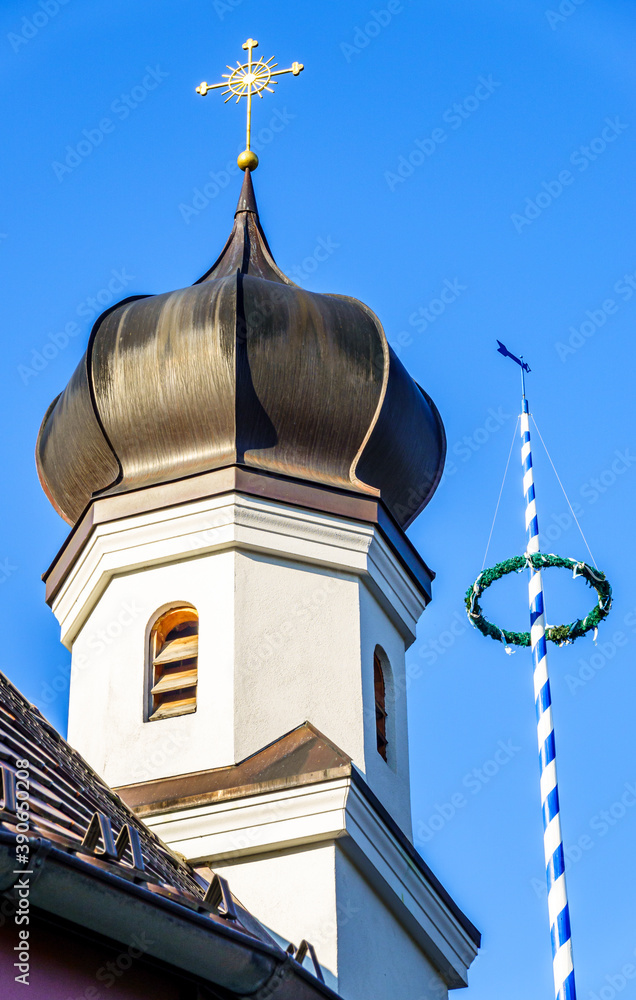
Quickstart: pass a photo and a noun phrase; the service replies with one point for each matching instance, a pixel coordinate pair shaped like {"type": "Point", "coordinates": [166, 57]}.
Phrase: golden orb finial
{"type": "Point", "coordinates": [247, 160]}
{"type": "Point", "coordinates": [245, 80]}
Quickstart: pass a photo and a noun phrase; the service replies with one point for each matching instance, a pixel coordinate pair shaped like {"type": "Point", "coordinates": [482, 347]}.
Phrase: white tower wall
{"type": "Point", "coordinates": [291, 606]}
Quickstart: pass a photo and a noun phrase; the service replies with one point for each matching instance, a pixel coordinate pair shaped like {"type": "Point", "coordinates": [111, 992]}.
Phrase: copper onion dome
{"type": "Point", "coordinates": [242, 368]}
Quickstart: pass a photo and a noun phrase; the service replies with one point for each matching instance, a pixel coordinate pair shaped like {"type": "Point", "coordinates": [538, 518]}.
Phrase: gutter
{"type": "Point", "coordinates": [194, 942]}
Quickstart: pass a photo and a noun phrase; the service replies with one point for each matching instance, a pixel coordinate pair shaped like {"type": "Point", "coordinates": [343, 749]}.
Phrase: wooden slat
{"type": "Point", "coordinates": [184, 707]}
{"type": "Point", "coordinates": [172, 682]}
{"type": "Point", "coordinates": [183, 648]}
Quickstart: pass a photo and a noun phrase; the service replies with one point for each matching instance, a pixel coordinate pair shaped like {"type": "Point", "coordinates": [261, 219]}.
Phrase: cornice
{"type": "Point", "coordinates": [332, 811]}
{"type": "Point", "coordinates": [236, 522]}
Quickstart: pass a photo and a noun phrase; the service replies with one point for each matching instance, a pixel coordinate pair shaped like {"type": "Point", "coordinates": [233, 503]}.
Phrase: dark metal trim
{"type": "Point", "coordinates": [99, 829]}
{"type": "Point", "coordinates": [129, 837]}
{"type": "Point", "coordinates": [306, 948]}
{"type": "Point", "coordinates": [417, 859]}
{"type": "Point", "coordinates": [8, 790]}
{"type": "Point", "coordinates": [219, 897]}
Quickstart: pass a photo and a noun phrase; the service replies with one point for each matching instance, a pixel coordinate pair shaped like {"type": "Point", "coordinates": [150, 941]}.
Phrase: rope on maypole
{"type": "Point", "coordinates": [558, 908]}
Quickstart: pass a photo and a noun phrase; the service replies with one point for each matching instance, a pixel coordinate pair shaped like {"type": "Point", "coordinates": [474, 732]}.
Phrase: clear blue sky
{"type": "Point", "coordinates": [415, 149]}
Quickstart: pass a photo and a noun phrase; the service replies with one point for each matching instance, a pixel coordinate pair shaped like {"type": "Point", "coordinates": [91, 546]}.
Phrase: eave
{"type": "Point", "coordinates": [189, 940]}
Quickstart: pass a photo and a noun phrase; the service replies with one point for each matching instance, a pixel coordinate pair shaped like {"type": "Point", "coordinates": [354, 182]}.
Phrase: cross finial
{"type": "Point", "coordinates": [245, 80]}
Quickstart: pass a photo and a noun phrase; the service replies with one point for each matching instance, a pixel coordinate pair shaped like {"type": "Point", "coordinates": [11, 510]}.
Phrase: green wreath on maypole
{"type": "Point", "coordinates": [560, 634]}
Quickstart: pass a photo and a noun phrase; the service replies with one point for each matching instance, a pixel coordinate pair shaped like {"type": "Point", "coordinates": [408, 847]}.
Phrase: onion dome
{"type": "Point", "coordinates": [242, 368]}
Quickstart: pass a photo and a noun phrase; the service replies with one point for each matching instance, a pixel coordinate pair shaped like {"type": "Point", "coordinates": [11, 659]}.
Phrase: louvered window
{"type": "Point", "coordinates": [174, 651]}
{"type": "Point", "coordinates": [380, 706]}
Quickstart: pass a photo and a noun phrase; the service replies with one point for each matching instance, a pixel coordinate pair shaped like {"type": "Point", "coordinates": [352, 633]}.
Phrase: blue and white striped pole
{"type": "Point", "coordinates": [562, 963]}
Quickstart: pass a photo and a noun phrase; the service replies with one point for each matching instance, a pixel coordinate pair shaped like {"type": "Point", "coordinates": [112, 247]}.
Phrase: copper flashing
{"type": "Point", "coordinates": [302, 757]}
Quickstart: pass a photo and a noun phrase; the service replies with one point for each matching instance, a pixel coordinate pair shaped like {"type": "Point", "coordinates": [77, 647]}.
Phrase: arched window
{"type": "Point", "coordinates": [174, 651]}
{"type": "Point", "coordinates": [380, 705]}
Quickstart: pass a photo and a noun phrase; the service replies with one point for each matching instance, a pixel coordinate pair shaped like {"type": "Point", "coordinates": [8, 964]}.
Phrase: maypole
{"type": "Point", "coordinates": [558, 908]}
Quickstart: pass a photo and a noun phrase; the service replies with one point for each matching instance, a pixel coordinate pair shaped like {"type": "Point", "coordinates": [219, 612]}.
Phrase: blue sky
{"type": "Point", "coordinates": [489, 147]}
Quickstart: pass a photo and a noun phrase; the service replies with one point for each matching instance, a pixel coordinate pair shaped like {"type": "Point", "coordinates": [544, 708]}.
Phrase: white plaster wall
{"type": "Point", "coordinates": [293, 893]}
{"type": "Point", "coordinates": [297, 654]}
{"type": "Point", "coordinates": [280, 643]}
{"type": "Point", "coordinates": [389, 779]}
{"type": "Point", "coordinates": [318, 894]}
{"type": "Point", "coordinates": [106, 709]}
{"type": "Point", "coordinates": [291, 607]}
{"type": "Point", "coordinates": [304, 648]}
{"type": "Point", "coordinates": [377, 958]}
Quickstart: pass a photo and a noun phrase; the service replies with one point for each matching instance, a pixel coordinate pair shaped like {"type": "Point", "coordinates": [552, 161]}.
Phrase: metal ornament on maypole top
{"type": "Point", "coordinates": [537, 637]}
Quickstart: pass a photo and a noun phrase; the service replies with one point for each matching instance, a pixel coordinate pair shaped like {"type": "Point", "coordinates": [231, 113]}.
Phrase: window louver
{"type": "Point", "coordinates": [174, 652]}
{"type": "Point", "coordinates": [380, 706]}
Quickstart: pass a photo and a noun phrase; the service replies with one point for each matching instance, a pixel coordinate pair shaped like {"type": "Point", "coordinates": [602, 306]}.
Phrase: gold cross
{"type": "Point", "coordinates": [245, 80]}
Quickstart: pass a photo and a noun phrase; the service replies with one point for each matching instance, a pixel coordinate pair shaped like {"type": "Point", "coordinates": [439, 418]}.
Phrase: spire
{"type": "Point", "coordinates": [247, 198]}
{"type": "Point", "coordinates": [247, 250]}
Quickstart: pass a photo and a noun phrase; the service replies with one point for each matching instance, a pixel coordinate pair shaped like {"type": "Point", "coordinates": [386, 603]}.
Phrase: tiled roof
{"type": "Point", "coordinates": [70, 806]}
{"type": "Point", "coordinates": [65, 792]}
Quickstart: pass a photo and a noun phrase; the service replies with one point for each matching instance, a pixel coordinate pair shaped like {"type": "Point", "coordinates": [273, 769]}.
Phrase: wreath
{"type": "Point", "coordinates": [560, 634]}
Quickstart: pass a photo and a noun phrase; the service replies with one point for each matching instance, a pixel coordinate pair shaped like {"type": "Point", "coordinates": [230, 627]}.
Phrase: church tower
{"type": "Point", "coordinates": [239, 461]}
